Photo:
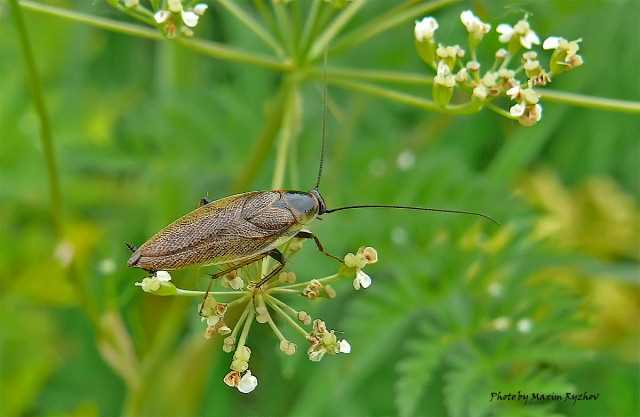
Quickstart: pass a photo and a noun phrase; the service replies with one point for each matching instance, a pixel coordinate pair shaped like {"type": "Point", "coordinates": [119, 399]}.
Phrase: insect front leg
{"type": "Point", "coordinates": [305, 234]}
{"type": "Point", "coordinates": [276, 255]}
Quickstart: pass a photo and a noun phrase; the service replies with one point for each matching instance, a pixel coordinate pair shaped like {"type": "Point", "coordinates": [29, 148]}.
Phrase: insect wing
{"type": "Point", "coordinates": [223, 231]}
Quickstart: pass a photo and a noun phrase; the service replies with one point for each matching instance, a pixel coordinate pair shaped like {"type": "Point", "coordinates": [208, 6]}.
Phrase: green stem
{"type": "Point", "coordinates": [591, 102]}
{"type": "Point", "coordinates": [283, 20]}
{"type": "Point", "coordinates": [309, 24]}
{"type": "Point", "coordinates": [247, 326]}
{"type": "Point", "coordinates": [408, 99]}
{"type": "Point", "coordinates": [373, 75]}
{"type": "Point", "coordinates": [325, 280]}
{"type": "Point", "coordinates": [284, 315]}
{"type": "Point", "coordinates": [212, 49]}
{"type": "Point", "coordinates": [46, 137]}
{"type": "Point", "coordinates": [243, 316]}
{"type": "Point", "coordinates": [286, 136]}
{"type": "Point", "coordinates": [253, 25]}
{"type": "Point", "coordinates": [389, 20]}
{"type": "Point", "coordinates": [194, 293]}
{"type": "Point", "coordinates": [334, 28]}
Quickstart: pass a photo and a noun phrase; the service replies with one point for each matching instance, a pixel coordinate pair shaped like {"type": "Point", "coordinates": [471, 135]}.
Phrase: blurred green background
{"type": "Point", "coordinates": [143, 129]}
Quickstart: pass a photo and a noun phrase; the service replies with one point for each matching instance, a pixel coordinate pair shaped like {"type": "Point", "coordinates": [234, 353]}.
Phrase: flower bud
{"type": "Point", "coordinates": [232, 378]}
{"type": "Point", "coordinates": [288, 347]}
{"type": "Point", "coordinates": [229, 344]}
{"type": "Point", "coordinates": [239, 365]}
{"type": "Point", "coordinates": [443, 84]}
{"type": "Point", "coordinates": [242, 353]}
{"type": "Point", "coordinates": [304, 318]}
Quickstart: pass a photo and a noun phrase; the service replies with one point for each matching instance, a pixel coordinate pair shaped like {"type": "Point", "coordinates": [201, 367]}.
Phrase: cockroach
{"type": "Point", "coordinates": [238, 230]}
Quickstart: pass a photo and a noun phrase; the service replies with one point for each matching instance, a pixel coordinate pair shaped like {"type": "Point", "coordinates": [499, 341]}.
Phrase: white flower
{"type": "Point", "coordinates": [163, 276]}
{"type": "Point", "coordinates": [495, 289]}
{"type": "Point", "coordinates": [174, 5]}
{"type": "Point", "coordinates": [505, 31]}
{"type": "Point", "coordinates": [443, 76]}
{"type": "Point", "coordinates": [480, 92]}
{"type": "Point", "coordinates": [514, 92]}
{"type": "Point", "coordinates": [344, 346]}
{"type": "Point", "coordinates": [190, 19]}
{"type": "Point", "coordinates": [161, 16]}
{"type": "Point", "coordinates": [158, 284]}
{"type": "Point", "coordinates": [517, 110]}
{"type": "Point", "coordinates": [524, 325]}
{"type": "Point", "coordinates": [425, 28]}
{"type": "Point", "coordinates": [406, 160]}
{"type": "Point", "coordinates": [64, 253]}
{"type": "Point", "coordinates": [552, 42]}
{"type": "Point", "coordinates": [501, 323]}
{"type": "Point", "coordinates": [107, 266]}
{"type": "Point", "coordinates": [200, 8]}
{"type": "Point", "coordinates": [247, 383]}
{"type": "Point", "coordinates": [316, 354]}
{"type": "Point", "coordinates": [522, 30]}
{"type": "Point", "coordinates": [362, 280]}
{"type": "Point", "coordinates": [474, 25]}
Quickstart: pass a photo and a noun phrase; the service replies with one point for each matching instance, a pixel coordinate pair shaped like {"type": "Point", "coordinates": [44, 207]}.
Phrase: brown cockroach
{"type": "Point", "coordinates": [244, 228]}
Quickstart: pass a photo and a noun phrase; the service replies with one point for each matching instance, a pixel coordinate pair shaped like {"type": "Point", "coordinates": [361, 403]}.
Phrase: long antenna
{"type": "Point", "coordinates": [324, 120]}
{"type": "Point", "coordinates": [414, 208]}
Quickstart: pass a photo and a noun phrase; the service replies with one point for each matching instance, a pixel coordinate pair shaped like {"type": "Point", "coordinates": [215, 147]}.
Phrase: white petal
{"type": "Point", "coordinates": [513, 92]}
{"type": "Point", "coordinates": [517, 110]}
{"type": "Point", "coordinates": [163, 276]}
{"type": "Point", "coordinates": [538, 110]}
{"type": "Point", "coordinates": [190, 19]}
{"type": "Point", "coordinates": [467, 18]}
{"type": "Point", "coordinates": [363, 279]}
{"type": "Point", "coordinates": [529, 39]}
{"type": "Point", "coordinates": [506, 32]}
{"type": "Point", "coordinates": [161, 16]}
{"type": "Point", "coordinates": [344, 346]}
{"type": "Point", "coordinates": [425, 28]}
{"type": "Point", "coordinates": [200, 8]}
{"type": "Point", "coordinates": [247, 383]}
{"type": "Point", "coordinates": [551, 42]}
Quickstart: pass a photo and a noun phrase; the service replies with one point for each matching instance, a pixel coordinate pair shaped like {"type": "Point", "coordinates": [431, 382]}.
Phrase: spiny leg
{"type": "Point", "coordinates": [305, 234]}
{"type": "Point", "coordinates": [131, 247]}
{"type": "Point", "coordinates": [276, 255]}
{"type": "Point", "coordinates": [224, 272]}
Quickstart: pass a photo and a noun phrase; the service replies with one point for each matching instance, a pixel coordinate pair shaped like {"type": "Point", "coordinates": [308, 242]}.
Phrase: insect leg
{"type": "Point", "coordinates": [226, 271]}
{"type": "Point", "coordinates": [276, 255]}
{"type": "Point", "coordinates": [204, 201]}
{"type": "Point", "coordinates": [305, 234]}
{"type": "Point", "coordinates": [131, 247]}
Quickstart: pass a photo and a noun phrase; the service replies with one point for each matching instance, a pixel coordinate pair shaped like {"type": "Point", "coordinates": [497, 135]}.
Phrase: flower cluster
{"type": "Point", "coordinates": [176, 16]}
{"type": "Point", "coordinates": [264, 305]}
{"type": "Point", "coordinates": [454, 68]}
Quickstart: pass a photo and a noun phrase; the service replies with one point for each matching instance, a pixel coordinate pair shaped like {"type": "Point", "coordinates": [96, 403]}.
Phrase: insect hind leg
{"type": "Point", "coordinates": [277, 256]}
{"type": "Point", "coordinates": [223, 273]}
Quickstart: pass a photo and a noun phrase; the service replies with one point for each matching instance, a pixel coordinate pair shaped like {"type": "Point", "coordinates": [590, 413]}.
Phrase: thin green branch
{"type": "Point", "coordinates": [334, 28]}
{"type": "Point", "coordinates": [309, 25]}
{"type": "Point", "coordinates": [400, 97]}
{"type": "Point", "coordinates": [213, 49]}
{"type": "Point", "coordinates": [283, 20]}
{"type": "Point", "coordinates": [591, 102]}
{"type": "Point", "coordinates": [287, 133]}
{"type": "Point", "coordinates": [292, 322]}
{"type": "Point", "coordinates": [46, 138]}
{"type": "Point", "coordinates": [253, 25]}
{"type": "Point", "coordinates": [373, 75]}
{"type": "Point", "coordinates": [389, 20]}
